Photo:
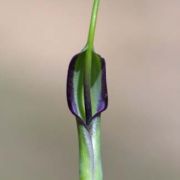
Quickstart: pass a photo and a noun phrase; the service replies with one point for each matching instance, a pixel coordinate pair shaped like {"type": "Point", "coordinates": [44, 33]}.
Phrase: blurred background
{"type": "Point", "coordinates": [141, 128]}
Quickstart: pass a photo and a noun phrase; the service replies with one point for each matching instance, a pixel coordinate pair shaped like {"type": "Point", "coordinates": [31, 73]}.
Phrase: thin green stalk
{"type": "Point", "coordinates": [90, 42]}
{"type": "Point", "coordinates": [88, 63]}
{"type": "Point", "coordinates": [92, 26]}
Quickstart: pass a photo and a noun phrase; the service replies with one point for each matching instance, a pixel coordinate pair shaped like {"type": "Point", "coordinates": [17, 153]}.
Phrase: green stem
{"type": "Point", "coordinates": [96, 143]}
{"type": "Point", "coordinates": [85, 154]}
{"type": "Point", "coordinates": [90, 164]}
